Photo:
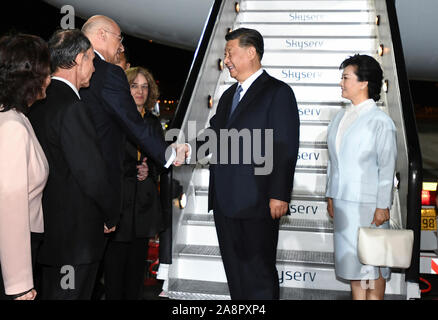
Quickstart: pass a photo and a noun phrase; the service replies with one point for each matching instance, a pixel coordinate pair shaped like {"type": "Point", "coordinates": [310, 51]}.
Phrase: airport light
{"type": "Point", "coordinates": [210, 102]}
{"type": "Point", "coordinates": [237, 7]}
{"type": "Point", "coordinates": [220, 64]}
{"type": "Point", "coordinates": [385, 86]}
{"type": "Point", "coordinates": [378, 20]}
{"type": "Point", "coordinates": [381, 50]}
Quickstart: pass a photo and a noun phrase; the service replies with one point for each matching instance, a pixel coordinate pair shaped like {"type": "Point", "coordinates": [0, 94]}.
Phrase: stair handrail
{"type": "Point", "coordinates": [415, 172]}
{"type": "Point", "coordinates": [196, 66]}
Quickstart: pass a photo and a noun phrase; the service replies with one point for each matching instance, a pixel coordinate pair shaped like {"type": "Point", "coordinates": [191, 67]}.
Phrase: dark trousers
{"type": "Point", "coordinates": [249, 249]}
{"type": "Point", "coordinates": [124, 269]}
{"type": "Point", "coordinates": [74, 282]}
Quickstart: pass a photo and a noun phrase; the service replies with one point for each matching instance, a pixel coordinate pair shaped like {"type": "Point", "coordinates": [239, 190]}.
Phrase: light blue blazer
{"type": "Point", "coordinates": [364, 169]}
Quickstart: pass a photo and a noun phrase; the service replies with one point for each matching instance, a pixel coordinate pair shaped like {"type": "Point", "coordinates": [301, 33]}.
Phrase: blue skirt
{"type": "Point", "coordinates": [348, 218]}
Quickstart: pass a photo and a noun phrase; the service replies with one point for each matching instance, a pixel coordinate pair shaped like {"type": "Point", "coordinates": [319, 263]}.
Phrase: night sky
{"type": "Point", "coordinates": [170, 66]}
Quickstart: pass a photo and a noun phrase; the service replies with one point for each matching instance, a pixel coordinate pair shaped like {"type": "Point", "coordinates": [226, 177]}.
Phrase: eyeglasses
{"type": "Point", "coordinates": [119, 36]}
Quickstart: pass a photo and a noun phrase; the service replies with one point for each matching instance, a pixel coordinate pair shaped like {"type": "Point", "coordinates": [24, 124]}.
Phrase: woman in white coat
{"type": "Point", "coordinates": [362, 155]}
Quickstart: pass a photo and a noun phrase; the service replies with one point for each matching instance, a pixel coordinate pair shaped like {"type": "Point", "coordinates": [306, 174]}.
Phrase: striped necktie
{"type": "Point", "coordinates": [236, 99]}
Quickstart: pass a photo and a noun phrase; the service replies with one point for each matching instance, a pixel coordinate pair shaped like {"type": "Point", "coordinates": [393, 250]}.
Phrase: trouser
{"type": "Point", "coordinates": [70, 282]}
{"type": "Point", "coordinates": [249, 249]}
{"type": "Point", "coordinates": [124, 269]}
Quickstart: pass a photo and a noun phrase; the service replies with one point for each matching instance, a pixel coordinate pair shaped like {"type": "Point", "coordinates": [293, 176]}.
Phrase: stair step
{"type": "Point", "coordinates": [295, 59]}
{"type": "Point", "coordinates": [301, 207]}
{"type": "Point", "coordinates": [306, 5]}
{"type": "Point", "coordinates": [291, 274]}
{"type": "Point", "coordinates": [301, 43]}
{"type": "Point", "coordinates": [307, 93]}
{"type": "Point", "coordinates": [289, 256]}
{"type": "Point", "coordinates": [316, 30]}
{"type": "Point", "coordinates": [301, 75]}
{"type": "Point", "coordinates": [307, 182]}
{"type": "Point", "coordinates": [183, 289]}
{"type": "Point", "coordinates": [286, 223]}
{"type": "Point", "coordinates": [301, 239]}
{"type": "Point", "coordinates": [285, 16]}
{"type": "Point", "coordinates": [317, 112]}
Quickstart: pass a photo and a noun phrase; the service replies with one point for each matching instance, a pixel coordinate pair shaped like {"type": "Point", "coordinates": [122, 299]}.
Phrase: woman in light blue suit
{"type": "Point", "coordinates": [362, 150]}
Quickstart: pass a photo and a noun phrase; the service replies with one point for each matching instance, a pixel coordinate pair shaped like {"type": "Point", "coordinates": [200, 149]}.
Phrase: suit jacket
{"type": "Point", "coordinates": [78, 198]}
{"type": "Point", "coordinates": [23, 175]}
{"type": "Point", "coordinates": [115, 115]}
{"type": "Point", "coordinates": [363, 171]}
{"type": "Point", "coordinates": [141, 215]}
{"type": "Point", "coordinates": [234, 189]}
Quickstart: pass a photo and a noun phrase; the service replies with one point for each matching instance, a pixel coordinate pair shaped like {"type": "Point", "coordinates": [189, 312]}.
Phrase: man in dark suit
{"type": "Point", "coordinates": [246, 199]}
{"type": "Point", "coordinates": [113, 109]}
{"type": "Point", "coordinates": [79, 203]}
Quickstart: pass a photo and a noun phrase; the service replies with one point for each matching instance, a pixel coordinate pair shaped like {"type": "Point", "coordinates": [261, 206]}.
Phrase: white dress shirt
{"type": "Point", "coordinates": [352, 112]}
{"type": "Point", "coordinates": [99, 54]}
{"type": "Point", "coordinates": [248, 82]}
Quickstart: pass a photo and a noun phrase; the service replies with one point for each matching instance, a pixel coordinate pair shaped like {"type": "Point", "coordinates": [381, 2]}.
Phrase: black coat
{"type": "Point", "coordinates": [234, 189]}
{"type": "Point", "coordinates": [115, 116]}
{"type": "Point", "coordinates": [142, 216]}
{"type": "Point", "coordinates": [78, 198]}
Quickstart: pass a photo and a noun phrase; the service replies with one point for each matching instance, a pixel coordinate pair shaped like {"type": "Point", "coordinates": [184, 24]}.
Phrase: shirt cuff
{"type": "Point", "coordinates": [171, 159]}
{"type": "Point", "coordinates": [189, 157]}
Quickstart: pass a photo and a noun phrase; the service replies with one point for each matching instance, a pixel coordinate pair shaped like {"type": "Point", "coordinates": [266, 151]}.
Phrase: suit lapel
{"type": "Point", "coordinates": [331, 139]}
{"type": "Point", "coordinates": [350, 129]}
{"type": "Point", "coordinates": [249, 96]}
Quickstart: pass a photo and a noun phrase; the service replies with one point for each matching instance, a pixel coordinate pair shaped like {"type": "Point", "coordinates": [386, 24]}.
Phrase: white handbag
{"type": "Point", "coordinates": [386, 247]}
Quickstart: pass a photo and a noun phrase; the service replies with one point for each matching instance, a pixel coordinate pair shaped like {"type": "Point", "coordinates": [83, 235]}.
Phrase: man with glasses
{"type": "Point", "coordinates": [113, 109]}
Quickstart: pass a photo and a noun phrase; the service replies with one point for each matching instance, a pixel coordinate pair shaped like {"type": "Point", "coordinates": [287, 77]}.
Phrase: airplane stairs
{"type": "Point", "coordinates": [305, 42]}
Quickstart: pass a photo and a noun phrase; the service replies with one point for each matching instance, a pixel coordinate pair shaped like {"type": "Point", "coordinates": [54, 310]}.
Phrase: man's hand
{"type": "Point", "coordinates": [380, 216]}
{"type": "Point", "coordinates": [182, 153]}
{"type": "Point", "coordinates": [278, 208]}
{"type": "Point", "coordinates": [106, 230]}
{"type": "Point", "coordinates": [143, 170]}
{"type": "Point", "coordinates": [330, 210]}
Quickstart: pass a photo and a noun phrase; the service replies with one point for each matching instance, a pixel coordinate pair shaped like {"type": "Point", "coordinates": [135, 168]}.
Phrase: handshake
{"type": "Point", "coordinates": [181, 153]}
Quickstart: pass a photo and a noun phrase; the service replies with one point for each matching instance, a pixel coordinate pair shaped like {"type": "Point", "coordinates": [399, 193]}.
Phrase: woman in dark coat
{"type": "Point", "coordinates": [126, 255]}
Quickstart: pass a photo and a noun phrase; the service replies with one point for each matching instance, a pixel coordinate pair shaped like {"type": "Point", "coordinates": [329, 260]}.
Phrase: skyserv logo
{"type": "Point", "coordinates": [290, 276]}
{"type": "Point", "coordinates": [302, 209]}
{"type": "Point", "coordinates": [305, 17]}
{"type": "Point", "coordinates": [304, 44]}
{"type": "Point", "coordinates": [300, 75]}
{"type": "Point", "coordinates": [309, 112]}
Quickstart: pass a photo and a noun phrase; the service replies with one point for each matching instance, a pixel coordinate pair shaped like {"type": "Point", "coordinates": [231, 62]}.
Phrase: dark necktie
{"type": "Point", "coordinates": [236, 99]}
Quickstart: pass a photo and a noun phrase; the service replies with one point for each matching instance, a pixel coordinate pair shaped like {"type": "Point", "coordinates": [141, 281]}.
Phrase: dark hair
{"type": "Point", "coordinates": [367, 69]}
{"type": "Point", "coordinates": [248, 37]}
{"type": "Point", "coordinates": [24, 67]}
{"type": "Point", "coordinates": [64, 47]}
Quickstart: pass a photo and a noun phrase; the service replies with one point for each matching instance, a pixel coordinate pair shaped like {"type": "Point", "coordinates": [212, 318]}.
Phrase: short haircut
{"type": "Point", "coordinates": [248, 37]}
{"type": "Point", "coordinates": [95, 22]}
{"type": "Point", "coordinates": [64, 47]}
{"type": "Point", "coordinates": [153, 92]}
{"type": "Point", "coordinates": [24, 67]}
{"type": "Point", "coordinates": [367, 69]}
